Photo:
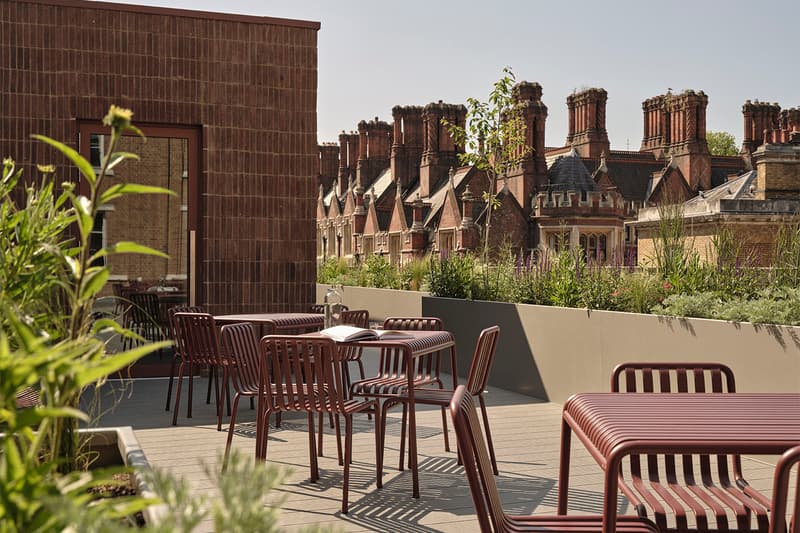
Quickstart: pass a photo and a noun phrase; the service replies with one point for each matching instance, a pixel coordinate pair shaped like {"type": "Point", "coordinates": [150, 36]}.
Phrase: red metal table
{"type": "Point", "coordinates": [418, 343]}
{"type": "Point", "coordinates": [277, 323]}
{"type": "Point", "coordinates": [614, 425]}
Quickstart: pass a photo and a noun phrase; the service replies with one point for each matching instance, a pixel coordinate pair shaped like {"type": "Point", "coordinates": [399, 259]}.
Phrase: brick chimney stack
{"type": "Point", "coordinates": [374, 147]}
{"type": "Point", "coordinates": [348, 159]}
{"type": "Point", "coordinates": [759, 117]}
{"type": "Point", "coordinates": [587, 122]}
{"type": "Point", "coordinates": [675, 126]}
{"type": "Point", "coordinates": [328, 164]}
{"type": "Point", "coordinates": [531, 175]}
{"type": "Point", "coordinates": [407, 146]}
{"type": "Point", "coordinates": [778, 167]}
{"type": "Point", "coordinates": [439, 151]}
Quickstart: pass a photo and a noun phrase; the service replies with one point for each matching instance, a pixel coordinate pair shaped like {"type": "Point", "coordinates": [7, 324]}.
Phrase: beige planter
{"type": "Point", "coordinates": [118, 445]}
{"type": "Point", "coordinates": [381, 303]}
{"type": "Point", "coordinates": [554, 352]}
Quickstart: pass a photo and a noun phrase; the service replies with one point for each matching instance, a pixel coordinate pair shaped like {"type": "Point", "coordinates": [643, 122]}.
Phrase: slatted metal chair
{"type": "Point", "coordinates": [780, 494]}
{"type": "Point", "coordinates": [391, 381]}
{"type": "Point", "coordinates": [240, 343]}
{"type": "Point", "coordinates": [305, 374]}
{"type": "Point", "coordinates": [482, 360]}
{"type": "Point", "coordinates": [668, 484]}
{"type": "Point", "coordinates": [197, 335]}
{"type": "Point", "coordinates": [178, 346]}
{"type": "Point", "coordinates": [486, 496]}
{"type": "Point", "coordinates": [360, 319]}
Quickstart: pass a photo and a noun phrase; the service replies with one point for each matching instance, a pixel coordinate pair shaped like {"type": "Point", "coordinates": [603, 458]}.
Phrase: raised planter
{"type": "Point", "coordinates": [118, 446]}
{"type": "Point", "coordinates": [381, 303]}
{"type": "Point", "coordinates": [554, 352]}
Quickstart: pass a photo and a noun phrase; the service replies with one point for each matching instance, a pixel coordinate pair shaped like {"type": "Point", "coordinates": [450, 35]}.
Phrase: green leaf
{"type": "Point", "coordinates": [106, 324]}
{"type": "Point", "coordinates": [77, 159]}
{"type": "Point", "coordinates": [129, 247]}
{"type": "Point", "coordinates": [120, 189]}
{"type": "Point", "coordinates": [94, 281]}
{"type": "Point", "coordinates": [119, 157]}
{"type": "Point", "coordinates": [114, 362]}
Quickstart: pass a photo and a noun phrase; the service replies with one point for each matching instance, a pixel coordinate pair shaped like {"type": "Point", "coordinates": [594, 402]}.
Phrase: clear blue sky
{"type": "Point", "coordinates": [377, 54]}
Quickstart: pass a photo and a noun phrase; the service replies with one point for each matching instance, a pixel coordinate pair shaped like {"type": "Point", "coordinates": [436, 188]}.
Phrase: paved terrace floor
{"type": "Point", "coordinates": [526, 436]}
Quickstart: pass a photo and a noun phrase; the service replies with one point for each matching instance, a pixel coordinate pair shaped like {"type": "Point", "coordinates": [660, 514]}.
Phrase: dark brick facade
{"type": "Point", "coordinates": [247, 84]}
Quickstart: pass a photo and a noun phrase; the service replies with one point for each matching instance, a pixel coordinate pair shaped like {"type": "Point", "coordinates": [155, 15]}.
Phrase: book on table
{"type": "Point", "coordinates": [352, 333]}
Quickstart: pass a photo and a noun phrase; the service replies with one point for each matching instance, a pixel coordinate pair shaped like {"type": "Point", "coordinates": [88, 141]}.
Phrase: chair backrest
{"type": "Point", "coordinates": [197, 334]}
{"type": "Point", "coordinates": [780, 494]}
{"type": "Point", "coordinates": [306, 371]}
{"type": "Point", "coordinates": [240, 344]}
{"type": "Point", "coordinates": [666, 378]}
{"type": "Point", "coordinates": [477, 464]}
{"type": "Point", "coordinates": [145, 307]}
{"type": "Point", "coordinates": [356, 317]}
{"type": "Point", "coordinates": [171, 312]}
{"type": "Point", "coordinates": [672, 377]}
{"type": "Point", "coordinates": [482, 360]}
{"type": "Point", "coordinates": [391, 360]}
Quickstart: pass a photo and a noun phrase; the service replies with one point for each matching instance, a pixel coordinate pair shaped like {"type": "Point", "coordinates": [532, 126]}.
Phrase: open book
{"type": "Point", "coordinates": [352, 333]}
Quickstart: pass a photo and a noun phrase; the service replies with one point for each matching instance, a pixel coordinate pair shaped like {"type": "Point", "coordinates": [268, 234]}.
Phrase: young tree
{"type": "Point", "coordinates": [494, 140]}
{"type": "Point", "coordinates": [721, 143]}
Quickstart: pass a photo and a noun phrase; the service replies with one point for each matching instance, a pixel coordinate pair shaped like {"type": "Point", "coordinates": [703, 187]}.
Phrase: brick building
{"type": "Point", "coordinates": [228, 103]}
{"type": "Point", "coordinates": [415, 199]}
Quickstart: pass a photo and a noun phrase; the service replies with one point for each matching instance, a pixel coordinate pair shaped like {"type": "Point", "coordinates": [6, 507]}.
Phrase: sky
{"type": "Point", "coordinates": [373, 54]}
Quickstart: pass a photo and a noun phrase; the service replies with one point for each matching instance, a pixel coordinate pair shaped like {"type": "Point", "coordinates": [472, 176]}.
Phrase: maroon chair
{"type": "Point", "coordinates": [197, 335]}
{"type": "Point", "coordinates": [391, 381]}
{"type": "Point", "coordinates": [360, 319]}
{"type": "Point", "coordinates": [304, 374]}
{"type": "Point", "coordinates": [668, 484]}
{"type": "Point", "coordinates": [780, 494]}
{"type": "Point", "coordinates": [178, 346]}
{"type": "Point", "coordinates": [486, 496]}
{"type": "Point", "coordinates": [241, 346]}
{"type": "Point", "coordinates": [482, 360]}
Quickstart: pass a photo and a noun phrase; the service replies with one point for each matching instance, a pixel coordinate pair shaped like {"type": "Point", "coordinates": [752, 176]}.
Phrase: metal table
{"type": "Point", "coordinates": [418, 343]}
{"type": "Point", "coordinates": [277, 323]}
{"type": "Point", "coordinates": [613, 425]}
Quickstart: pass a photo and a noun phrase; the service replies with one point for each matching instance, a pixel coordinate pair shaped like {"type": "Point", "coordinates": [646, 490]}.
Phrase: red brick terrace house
{"type": "Point", "coordinates": [228, 103]}
{"type": "Point", "coordinates": [394, 193]}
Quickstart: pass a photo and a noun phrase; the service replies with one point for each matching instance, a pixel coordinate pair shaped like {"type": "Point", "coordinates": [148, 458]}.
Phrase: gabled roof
{"type": "Point", "coordinates": [568, 173]}
{"type": "Point", "coordinates": [437, 199]}
{"type": "Point", "coordinates": [741, 188]}
{"type": "Point", "coordinates": [382, 185]}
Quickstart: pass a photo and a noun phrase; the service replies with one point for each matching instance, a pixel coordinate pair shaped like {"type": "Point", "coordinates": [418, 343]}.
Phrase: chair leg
{"type": "Point", "coordinates": [488, 433]}
{"type": "Point", "coordinates": [212, 372]}
{"type": "Point", "coordinates": [191, 389]}
{"type": "Point", "coordinates": [230, 432]}
{"type": "Point", "coordinates": [444, 430]}
{"type": "Point", "coordinates": [348, 457]}
{"type": "Point", "coordinates": [339, 440]}
{"type": "Point", "coordinates": [178, 394]}
{"type": "Point", "coordinates": [380, 430]}
{"type": "Point", "coordinates": [261, 446]}
{"type": "Point", "coordinates": [312, 451]}
{"type": "Point", "coordinates": [171, 379]}
{"type": "Point", "coordinates": [403, 424]}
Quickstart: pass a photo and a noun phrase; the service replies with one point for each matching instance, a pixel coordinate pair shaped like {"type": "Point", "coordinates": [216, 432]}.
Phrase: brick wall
{"type": "Point", "coordinates": [248, 83]}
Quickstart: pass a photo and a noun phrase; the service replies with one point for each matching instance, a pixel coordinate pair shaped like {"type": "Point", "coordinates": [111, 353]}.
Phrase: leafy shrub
{"type": "Point", "coordinates": [453, 276]}
{"type": "Point", "coordinates": [378, 272]}
{"type": "Point", "coordinates": [414, 274]}
{"type": "Point", "coordinates": [332, 270]}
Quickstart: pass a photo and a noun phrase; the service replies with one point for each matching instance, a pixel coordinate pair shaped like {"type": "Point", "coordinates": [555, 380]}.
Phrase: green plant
{"type": "Point", "coordinates": [332, 270]}
{"type": "Point", "coordinates": [379, 272]}
{"type": "Point", "coordinates": [414, 274]}
{"type": "Point", "coordinates": [786, 263]}
{"type": "Point", "coordinates": [453, 276]}
{"type": "Point", "coordinates": [494, 140]}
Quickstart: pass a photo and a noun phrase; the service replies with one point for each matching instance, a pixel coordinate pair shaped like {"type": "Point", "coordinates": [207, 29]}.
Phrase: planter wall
{"type": "Point", "coordinates": [116, 446]}
{"type": "Point", "coordinates": [381, 303]}
{"type": "Point", "coordinates": [553, 352]}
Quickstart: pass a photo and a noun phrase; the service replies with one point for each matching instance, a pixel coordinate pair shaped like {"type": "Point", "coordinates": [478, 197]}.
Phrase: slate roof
{"type": "Point", "coordinates": [568, 173]}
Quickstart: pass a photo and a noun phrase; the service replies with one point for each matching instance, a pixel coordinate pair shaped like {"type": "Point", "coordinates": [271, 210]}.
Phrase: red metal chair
{"type": "Point", "coordinates": [482, 360]}
{"type": "Point", "coordinates": [360, 319]}
{"type": "Point", "coordinates": [197, 335]}
{"type": "Point", "coordinates": [670, 484]}
{"type": "Point", "coordinates": [780, 494]}
{"type": "Point", "coordinates": [305, 374]}
{"type": "Point", "coordinates": [391, 381]}
{"type": "Point", "coordinates": [240, 344]}
{"type": "Point", "coordinates": [178, 346]}
{"type": "Point", "coordinates": [486, 496]}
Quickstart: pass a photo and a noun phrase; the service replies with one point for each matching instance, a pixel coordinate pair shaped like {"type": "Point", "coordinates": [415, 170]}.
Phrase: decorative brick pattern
{"type": "Point", "coordinates": [249, 84]}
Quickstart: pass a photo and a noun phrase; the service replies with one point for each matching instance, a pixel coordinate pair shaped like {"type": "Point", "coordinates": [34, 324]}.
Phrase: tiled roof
{"type": "Point", "coordinates": [633, 177]}
{"type": "Point", "coordinates": [568, 173]}
{"type": "Point", "coordinates": [438, 197]}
